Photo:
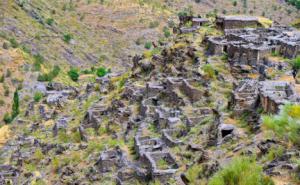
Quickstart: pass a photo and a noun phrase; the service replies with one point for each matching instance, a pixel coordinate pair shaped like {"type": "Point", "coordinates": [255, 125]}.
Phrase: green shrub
{"type": "Point", "coordinates": [101, 71]}
{"type": "Point", "coordinates": [55, 164]}
{"type": "Point", "coordinates": [275, 53]}
{"type": "Point", "coordinates": [122, 83]}
{"type": "Point", "coordinates": [167, 32]}
{"type": "Point", "coordinates": [13, 43]}
{"type": "Point", "coordinates": [2, 103]}
{"type": "Point", "coordinates": [286, 124]}
{"type": "Point", "coordinates": [296, 3]}
{"type": "Point", "coordinates": [5, 45]}
{"type": "Point", "coordinates": [186, 12]}
{"type": "Point", "coordinates": [2, 78]}
{"type": "Point", "coordinates": [296, 63]}
{"type": "Point", "coordinates": [8, 73]}
{"type": "Point", "coordinates": [63, 137]}
{"type": "Point", "coordinates": [38, 61]}
{"type": "Point", "coordinates": [6, 91]}
{"type": "Point", "coordinates": [241, 171]}
{"type": "Point", "coordinates": [7, 118]}
{"type": "Point", "coordinates": [49, 76]}
{"type": "Point", "coordinates": [73, 74]}
{"type": "Point", "coordinates": [148, 45]}
{"type": "Point", "coordinates": [50, 21]}
{"type": "Point", "coordinates": [38, 96]}
{"type": "Point", "coordinates": [67, 38]}
{"type": "Point", "coordinates": [38, 154]}
{"type": "Point", "coordinates": [153, 24]}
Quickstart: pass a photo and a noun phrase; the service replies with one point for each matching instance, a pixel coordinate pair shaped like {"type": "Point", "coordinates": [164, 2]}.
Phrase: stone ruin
{"type": "Point", "coordinates": [110, 160]}
{"type": "Point", "coordinates": [172, 137]}
{"type": "Point", "coordinates": [236, 21]}
{"type": "Point", "coordinates": [245, 96]}
{"type": "Point", "coordinates": [147, 144]}
{"type": "Point", "coordinates": [275, 93]}
{"type": "Point", "coordinates": [196, 23]}
{"type": "Point", "coordinates": [250, 94]}
{"type": "Point", "coordinates": [8, 174]}
{"type": "Point", "coordinates": [162, 165]}
{"type": "Point", "coordinates": [253, 46]}
{"type": "Point", "coordinates": [93, 117]}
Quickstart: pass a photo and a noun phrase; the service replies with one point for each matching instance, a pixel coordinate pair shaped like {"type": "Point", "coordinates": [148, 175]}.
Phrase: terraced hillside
{"type": "Point", "coordinates": [126, 92]}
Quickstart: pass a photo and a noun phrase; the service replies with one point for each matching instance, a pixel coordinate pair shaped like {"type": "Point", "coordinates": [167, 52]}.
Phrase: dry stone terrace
{"type": "Point", "coordinates": [174, 100]}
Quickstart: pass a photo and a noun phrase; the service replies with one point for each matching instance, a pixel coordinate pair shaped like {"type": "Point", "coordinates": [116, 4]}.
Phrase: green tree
{"type": "Point", "coordinates": [148, 45]}
{"type": "Point", "coordinates": [15, 106]}
{"type": "Point", "coordinates": [234, 3]}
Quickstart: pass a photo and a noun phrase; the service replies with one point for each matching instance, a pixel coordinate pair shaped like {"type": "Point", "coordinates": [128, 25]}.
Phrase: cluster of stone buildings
{"type": "Point", "coordinates": [173, 99]}
{"type": "Point", "coordinates": [250, 94]}
{"type": "Point", "coordinates": [253, 46]}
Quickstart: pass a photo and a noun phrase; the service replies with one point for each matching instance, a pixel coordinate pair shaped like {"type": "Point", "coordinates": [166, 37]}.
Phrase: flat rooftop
{"type": "Point", "coordinates": [238, 18]}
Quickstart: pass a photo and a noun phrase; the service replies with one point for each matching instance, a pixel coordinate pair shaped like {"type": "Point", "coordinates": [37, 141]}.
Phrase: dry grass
{"type": "Point", "coordinates": [4, 134]}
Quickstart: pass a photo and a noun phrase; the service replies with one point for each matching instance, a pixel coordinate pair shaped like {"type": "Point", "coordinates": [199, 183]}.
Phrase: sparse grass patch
{"type": "Point", "coordinates": [37, 96]}
{"type": "Point", "coordinates": [13, 43]}
{"type": "Point", "coordinates": [38, 154]}
{"type": "Point", "coordinates": [286, 124]}
{"type": "Point", "coordinates": [241, 171]}
{"type": "Point", "coordinates": [29, 167]}
{"type": "Point", "coordinates": [153, 24]}
{"type": "Point", "coordinates": [193, 173]}
{"type": "Point", "coordinates": [209, 71]}
{"type": "Point", "coordinates": [38, 61]}
{"type": "Point", "coordinates": [49, 76]}
{"type": "Point", "coordinates": [274, 153]}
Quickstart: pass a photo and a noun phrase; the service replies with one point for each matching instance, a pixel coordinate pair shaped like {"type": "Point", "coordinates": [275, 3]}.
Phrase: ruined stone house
{"type": "Point", "coordinates": [275, 93]}
{"type": "Point", "coordinates": [269, 95]}
{"type": "Point", "coordinates": [236, 21]}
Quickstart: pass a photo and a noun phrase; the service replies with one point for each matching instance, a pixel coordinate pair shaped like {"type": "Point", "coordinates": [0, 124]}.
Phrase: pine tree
{"type": "Point", "coordinates": [15, 106]}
